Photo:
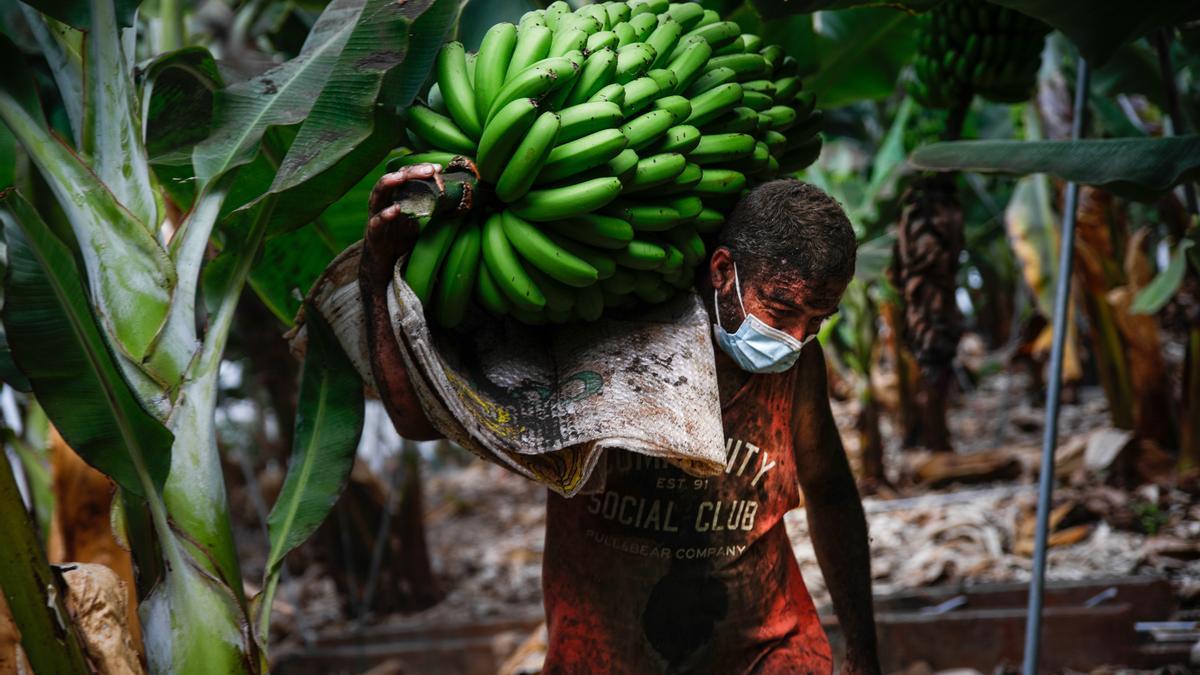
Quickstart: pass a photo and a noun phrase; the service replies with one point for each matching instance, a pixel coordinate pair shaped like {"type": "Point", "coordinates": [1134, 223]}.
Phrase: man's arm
{"type": "Point", "coordinates": [391, 232]}
{"type": "Point", "coordinates": [835, 514]}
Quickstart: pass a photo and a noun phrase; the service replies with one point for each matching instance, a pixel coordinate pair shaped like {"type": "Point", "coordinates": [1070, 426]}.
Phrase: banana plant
{"type": "Point", "coordinates": [106, 280]}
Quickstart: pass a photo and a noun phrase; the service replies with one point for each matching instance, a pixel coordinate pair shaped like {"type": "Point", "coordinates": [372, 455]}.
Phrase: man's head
{"type": "Point", "coordinates": [794, 250]}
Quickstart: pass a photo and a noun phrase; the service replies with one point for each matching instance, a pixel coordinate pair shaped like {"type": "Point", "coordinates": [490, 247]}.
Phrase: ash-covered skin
{"type": "Point", "coordinates": [390, 233]}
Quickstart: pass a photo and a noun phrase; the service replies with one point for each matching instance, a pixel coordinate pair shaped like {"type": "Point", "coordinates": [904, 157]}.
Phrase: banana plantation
{"type": "Point", "coordinates": [507, 336]}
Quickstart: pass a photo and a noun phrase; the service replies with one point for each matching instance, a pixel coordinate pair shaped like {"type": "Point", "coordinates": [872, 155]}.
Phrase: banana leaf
{"type": "Point", "coordinates": [283, 95]}
{"type": "Point", "coordinates": [30, 589]}
{"type": "Point", "coordinates": [775, 9]}
{"type": "Point", "coordinates": [1162, 288]}
{"type": "Point", "coordinates": [177, 100]}
{"type": "Point", "coordinates": [1138, 168]}
{"type": "Point", "coordinates": [78, 13]}
{"type": "Point", "coordinates": [329, 420]}
{"type": "Point", "coordinates": [1099, 27]}
{"type": "Point", "coordinates": [860, 53]}
{"type": "Point", "coordinates": [126, 266]}
{"type": "Point", "coordinates": [57, 344]}
{"type": "Point", "coordinates": [353, 125]}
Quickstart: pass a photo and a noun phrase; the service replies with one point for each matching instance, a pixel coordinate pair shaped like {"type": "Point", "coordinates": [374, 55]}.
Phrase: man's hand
{"type": "Point", "coordinates": [390, 233]}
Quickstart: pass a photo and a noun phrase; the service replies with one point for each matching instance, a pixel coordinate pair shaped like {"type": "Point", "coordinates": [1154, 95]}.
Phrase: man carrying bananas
{"type": "Point", "coordinates": [664, 572]}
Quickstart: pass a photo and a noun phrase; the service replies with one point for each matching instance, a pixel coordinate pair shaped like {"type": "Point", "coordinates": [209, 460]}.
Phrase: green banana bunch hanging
{"type": "Point", "coordinates": [969, 47]}
{"type": "Point", "coordinates": [609, 141]}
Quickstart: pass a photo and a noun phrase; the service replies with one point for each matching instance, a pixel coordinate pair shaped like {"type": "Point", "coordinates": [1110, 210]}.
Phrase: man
{"type": "Point", "coordinates": [664, 572]}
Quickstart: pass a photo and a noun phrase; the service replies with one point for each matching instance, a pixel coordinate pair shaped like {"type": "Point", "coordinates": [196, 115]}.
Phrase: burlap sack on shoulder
{"type": "Point", "coordinates": [546, 401]}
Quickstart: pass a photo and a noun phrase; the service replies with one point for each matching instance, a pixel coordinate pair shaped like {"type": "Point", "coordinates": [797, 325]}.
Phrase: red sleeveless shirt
{"type": "Point", "coordinates": [663, 572]}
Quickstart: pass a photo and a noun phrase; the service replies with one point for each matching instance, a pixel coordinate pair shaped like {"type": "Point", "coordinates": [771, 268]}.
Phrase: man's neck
{"type": "Point", "coordinates": [730, 377]}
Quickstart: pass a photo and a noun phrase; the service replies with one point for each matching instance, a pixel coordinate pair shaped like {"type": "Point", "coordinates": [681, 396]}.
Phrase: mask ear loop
{"type": "Point", "coordinates": [737, 286]}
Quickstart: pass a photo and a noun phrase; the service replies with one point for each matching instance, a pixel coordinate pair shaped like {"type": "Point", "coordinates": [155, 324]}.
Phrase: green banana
{"type": "Point", "coordinates": [786, 88]}
{"type": "Point", "coordinates": [747, 66]}
{"type": "Point", "coordinates": [639, 94]}
{"type": "Point", "coordinates": [456, 88]}
{"type": "Point", "coordinates": [542, 253]}
{"type": "Point", "coordinates": [598, 71]}
{"type": "Point", "coordinates": [717, 34]}
{"type": "Point", "coordinates": [457, 279]}
{"type": "Point", "coordinates": [559, 296]}
{"type": "Point", "coordinates": [618, 12]}
{"type": "Point", "coordinates": [645, 217]}
{"type": "Point", "coordinates": [613, 93]}
{"type": "Point", "coordinates": [535, 17]}
{"type": "Point", "coordinates": [655, 170]}
{"type": "Point", "coordinates": [716, 182]}
{"type": "Point", "coordinates": [427, 254]}
{"type": "Point", "coordinates": [709, 221]}
{"type": "Point", "coordinates": [506, 269]}
{"type": "Point", "coordinates": [529, 157]}
{"type": "Point", "coordinates": [596, 230]}
{"type": "Point", "coordinates": [569, 41]}
{"type": "Point", "coordinates": [605, 39]}
{"type": "Point", "coordinates": [589, 303]}
{"type": "Point", "coordinates": [782, 117]}
{"type": "Point", "coordinates": [624, 165]}
{"type": "Point", "coordinates": [575, 157]}
{"type": "Point", "coordinates": [495, 53]}
{"type": "Point", "coordinates": [689, 242]}
{"type": "Point", "coordinates": [439, 131]}
{"type": "Point", "coordinates": [679, 107]}
{"type": "Point", "coordinates": [487, 291]}
{"type": "Point", "coordinates": [756, 101]}
{"type": "Point", "coordinates": [688, 14]}
{"type": "Point", "coordinates": [713, 103]}
{"type": "Point", "coordinates": [555, 11]}
{"type": "Point", "coordinates": [688, 207]}
{"type": "Point", "coordinates": [534, 81]}
{"type": "Point", "coordinates": [665, 79]}
{"type": "Point", "coordinates": [431, 157]}
{"type": "Point", "coordinates": [647, 128]}
{"type": "Point", "coordinates": [740, 120]}
{"type": "Point", "coordinates": [761, 86]}
{"type": "Point", "coordinates": [533, 45]}
{"type": "Point", "coordinates": [625, 33]}
{"type": "Point", "coordinates": [711, 78]}
{"type": "Point", "coordinates": [622, 281]}
{"type": "Point", "coordinates": [587, 118]}
{"type": "Point", "coordinates": [775, 142]}
{"type": "Point", "coordinates": [568, 200]}
{"type": "Point", "coordinates": [633, 60]}
{"type": "Point", "coordinates": [641, 255]}
{"type": "Point", "coordinates": [643, 25]}
{"type": "Point", "coordinates": [682, 138]}
{"type": "Point", "coordinates": [721, 148]}
{"type": "Point", "coordinates": [688, 61]}
{"type": "Point", "coordinates": [501, 136]}
{"type": "Point", "coordinates": [601, 259]}
{"type": "Point", "coordinates": [685, 181]}
{"type": "Point", "coordinates": [663, 39]}
{"type": "Point", "coordinates": [435, 100]}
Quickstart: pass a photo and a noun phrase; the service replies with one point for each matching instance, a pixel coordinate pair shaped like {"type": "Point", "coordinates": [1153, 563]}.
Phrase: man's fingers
{"type": "Point", "coordinates": [384, 188]}
{"type": "Point", "coordinates": [386, 217]}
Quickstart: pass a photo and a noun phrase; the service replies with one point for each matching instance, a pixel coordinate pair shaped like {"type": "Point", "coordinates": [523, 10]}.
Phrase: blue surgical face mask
{"type": "Point", "coordinates": [756, 347]}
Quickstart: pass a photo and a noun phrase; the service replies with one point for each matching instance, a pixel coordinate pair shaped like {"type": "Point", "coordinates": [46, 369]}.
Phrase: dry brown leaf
{"type": "Point", "coordinates": [97, 601]}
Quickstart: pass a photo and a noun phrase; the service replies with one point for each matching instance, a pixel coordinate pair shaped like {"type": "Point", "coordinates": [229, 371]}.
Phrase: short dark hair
{"type": "Point", "coordinates": [790, 226]}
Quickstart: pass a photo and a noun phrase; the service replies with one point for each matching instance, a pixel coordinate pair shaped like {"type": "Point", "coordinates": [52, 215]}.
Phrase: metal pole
{"type": "Point", "coordinates": [1033, 621]}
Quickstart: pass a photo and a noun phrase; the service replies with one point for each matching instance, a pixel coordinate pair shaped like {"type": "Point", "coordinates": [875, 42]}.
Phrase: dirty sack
{"type": "Point", "coordinates": [547, 401]}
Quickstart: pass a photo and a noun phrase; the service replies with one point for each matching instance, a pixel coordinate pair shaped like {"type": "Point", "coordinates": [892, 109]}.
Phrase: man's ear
{"type": "Point", "coordinates": [720, 269]}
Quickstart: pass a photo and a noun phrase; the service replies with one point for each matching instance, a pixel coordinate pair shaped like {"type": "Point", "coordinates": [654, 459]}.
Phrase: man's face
{"type": "Point", "coordinates": [780, 299]}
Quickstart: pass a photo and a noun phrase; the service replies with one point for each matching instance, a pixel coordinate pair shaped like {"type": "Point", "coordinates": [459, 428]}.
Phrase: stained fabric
{"type": "Point", "coordinates": [663, 572]}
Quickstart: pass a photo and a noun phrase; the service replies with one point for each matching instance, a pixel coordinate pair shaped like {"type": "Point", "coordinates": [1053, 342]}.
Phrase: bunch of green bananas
{"type": "Point", "coordinates": [969, 47]}
{"type": "Point", "coordinates": [609, 141]}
